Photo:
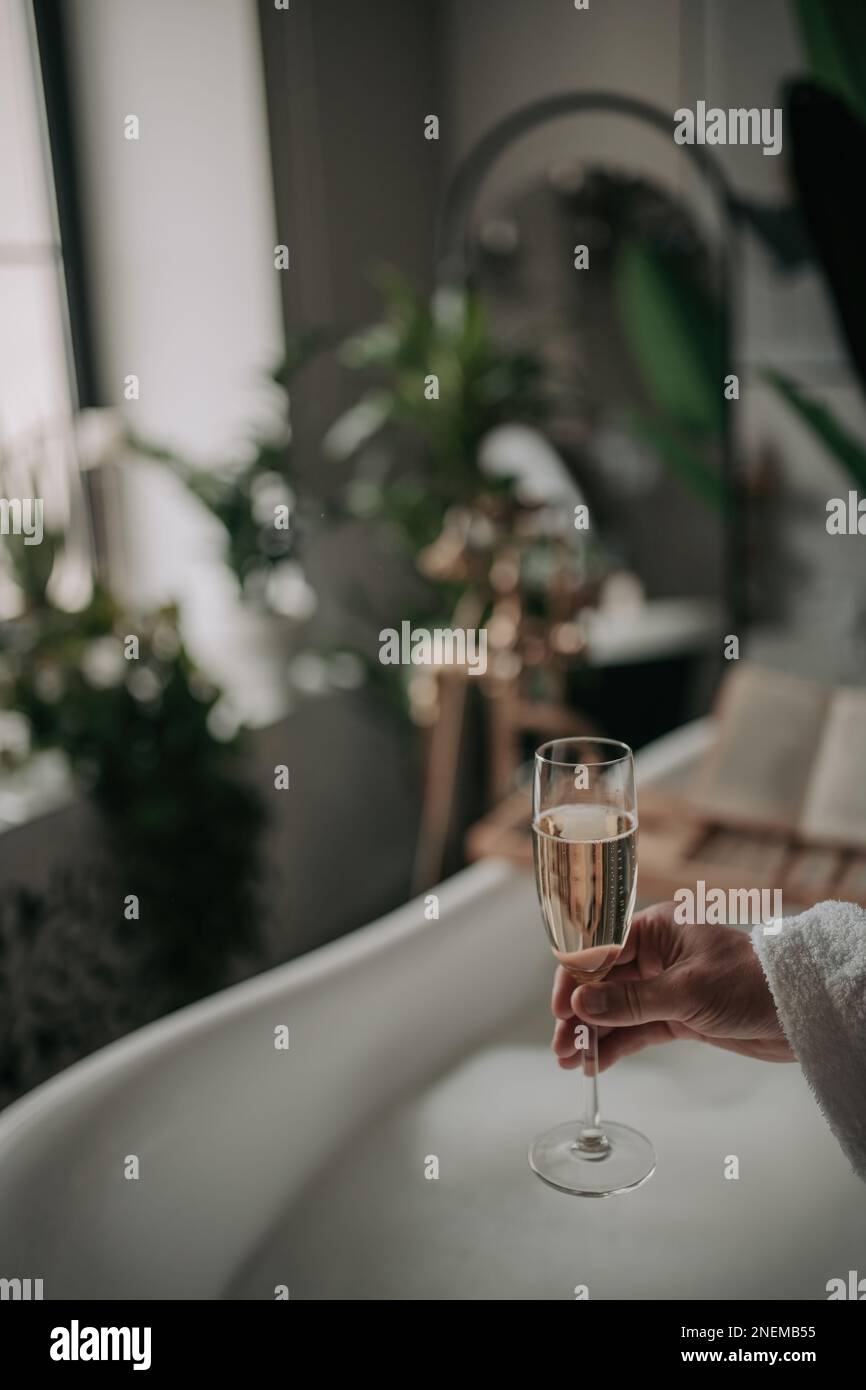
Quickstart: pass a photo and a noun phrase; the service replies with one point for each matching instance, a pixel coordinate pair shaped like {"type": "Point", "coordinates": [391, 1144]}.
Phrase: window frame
{"type": "Point", "coordinates": [49, 25]}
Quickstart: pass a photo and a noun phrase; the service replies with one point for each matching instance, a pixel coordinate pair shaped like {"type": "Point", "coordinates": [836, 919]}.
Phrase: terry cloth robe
{"type": "Point", "coordinates": [816, 969]}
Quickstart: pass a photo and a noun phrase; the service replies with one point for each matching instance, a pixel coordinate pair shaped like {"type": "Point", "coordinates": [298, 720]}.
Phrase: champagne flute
{"type": "Point", "coordinates": [584, 831]}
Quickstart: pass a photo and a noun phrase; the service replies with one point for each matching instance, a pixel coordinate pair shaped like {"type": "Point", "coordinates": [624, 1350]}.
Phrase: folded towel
{"type": "Point", "coordinates": [816, 969]}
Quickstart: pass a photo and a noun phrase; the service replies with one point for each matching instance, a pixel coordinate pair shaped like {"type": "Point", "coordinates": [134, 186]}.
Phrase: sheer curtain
{"type": "Point", "coordinates": [180, 232]}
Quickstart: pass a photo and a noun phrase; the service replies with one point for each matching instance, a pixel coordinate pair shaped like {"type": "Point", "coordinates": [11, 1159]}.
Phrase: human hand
{"type": "Point", "coordinates": [671, 981]}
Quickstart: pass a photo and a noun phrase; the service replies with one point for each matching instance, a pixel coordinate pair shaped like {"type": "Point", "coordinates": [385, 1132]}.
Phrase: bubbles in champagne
{"type": "Point", "coordinates": [586, 875]}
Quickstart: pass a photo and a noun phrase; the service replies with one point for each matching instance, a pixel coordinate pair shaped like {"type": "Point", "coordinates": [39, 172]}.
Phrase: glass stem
{"type": "Point", "coordinates": [593, 1141]}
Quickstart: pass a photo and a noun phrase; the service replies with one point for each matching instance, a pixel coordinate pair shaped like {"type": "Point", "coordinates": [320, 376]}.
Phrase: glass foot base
{"type": "Point", "coordinates": [596, 1169]}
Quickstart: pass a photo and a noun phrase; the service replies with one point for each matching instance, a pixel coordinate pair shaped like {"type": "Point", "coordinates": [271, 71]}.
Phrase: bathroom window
{"type": "Point", "coordinates": [36, 393]}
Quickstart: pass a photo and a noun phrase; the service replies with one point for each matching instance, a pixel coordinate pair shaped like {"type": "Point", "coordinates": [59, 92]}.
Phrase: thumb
{"type": "Point", "coordinates": [661, 998]}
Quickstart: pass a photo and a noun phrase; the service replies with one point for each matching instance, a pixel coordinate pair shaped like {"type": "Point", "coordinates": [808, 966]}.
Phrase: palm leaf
{"type": "Point", "coordinates": [834, 436]}
{"type": "Point", "coordinates": [834, 34]}
{"type": "Point", "coordinates": [674, 330]}
{"type": "Point", "coordinates": [681, 459]}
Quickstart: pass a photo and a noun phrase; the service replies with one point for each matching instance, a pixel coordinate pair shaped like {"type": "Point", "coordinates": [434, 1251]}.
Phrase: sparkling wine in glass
{"type": "Point", "coordinates": [584, 831]}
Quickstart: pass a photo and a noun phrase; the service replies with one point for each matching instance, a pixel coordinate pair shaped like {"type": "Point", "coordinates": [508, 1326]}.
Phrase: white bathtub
{"type": "Point", "coordinates": [409, 1040]}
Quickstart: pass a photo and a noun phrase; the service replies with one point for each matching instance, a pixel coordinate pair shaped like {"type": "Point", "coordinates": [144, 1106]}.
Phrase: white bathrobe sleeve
{"type": "Point", "coordinates": [816, 969]}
